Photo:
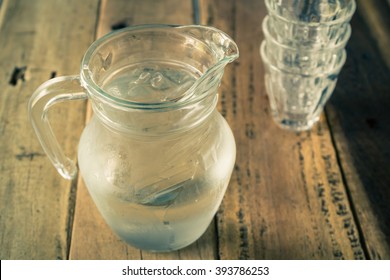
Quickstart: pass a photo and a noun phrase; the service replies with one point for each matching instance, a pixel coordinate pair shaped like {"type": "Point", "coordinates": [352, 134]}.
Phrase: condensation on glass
{"type": "Point", "coordinates": [156, 156]}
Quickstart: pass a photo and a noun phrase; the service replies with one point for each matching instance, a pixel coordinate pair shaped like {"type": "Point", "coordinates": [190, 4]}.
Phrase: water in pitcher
{"type": "Point", "coordinates": [154, 82]}
{"type": "Point", "coordinates": [157, 193]}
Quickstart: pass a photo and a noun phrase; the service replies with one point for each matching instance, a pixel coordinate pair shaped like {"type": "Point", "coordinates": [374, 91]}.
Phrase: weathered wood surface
{"type": "Point", "coordinates": [322, 194]}
{"type": "Point", "coordinates": [36, 205]}
{"type": "Point", "coordinates": [359, 116]}
{"type": "Point", "coordinates": [287, 198]}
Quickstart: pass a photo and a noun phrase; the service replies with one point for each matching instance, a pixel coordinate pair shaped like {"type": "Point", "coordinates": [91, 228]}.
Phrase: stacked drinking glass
{"type": "Point", "coordinates": [303, 53]}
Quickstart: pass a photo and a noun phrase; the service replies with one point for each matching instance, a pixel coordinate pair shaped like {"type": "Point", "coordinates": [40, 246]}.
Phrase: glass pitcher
{"type": "Point", "coordinates": [156, 156]}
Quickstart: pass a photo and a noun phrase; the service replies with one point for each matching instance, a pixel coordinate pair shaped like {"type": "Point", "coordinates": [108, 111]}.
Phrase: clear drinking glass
{"type": "Point", "coordinates": [297, 99]}
{"type": "Point", "coordinates": [311, 23]}
{"type": "Point", "coordinates": [302, 59]}
{"type": "Point", "coordinates": [312, 11]}
{"type": "Point", "coordinates": [156, 156]}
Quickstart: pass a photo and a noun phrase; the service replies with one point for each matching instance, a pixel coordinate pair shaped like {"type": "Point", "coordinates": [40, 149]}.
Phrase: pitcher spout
{"type": "Point", "coordinates": [212, 51]}
{"type": "Point", "coordinates": [222, 47]}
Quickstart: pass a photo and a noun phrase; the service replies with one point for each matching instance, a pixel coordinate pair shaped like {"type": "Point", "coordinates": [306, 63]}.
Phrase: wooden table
{"type": "Point", "coordinates": [322, 194]}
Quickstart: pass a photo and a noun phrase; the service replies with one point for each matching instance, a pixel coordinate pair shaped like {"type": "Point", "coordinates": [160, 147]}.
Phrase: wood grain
{"type": "Point", "coordinates": [287, 199]}
{"type": "Point", "coordinates": [92, 239]}
{"type": "Point", "coordinates": [375, 14]}
{"type": "Point", "coordinates": [359, 117]}
{"type": "Point", "coordinates": [36, 204]}
{"type": "Point", "coordinates": [321, 194]}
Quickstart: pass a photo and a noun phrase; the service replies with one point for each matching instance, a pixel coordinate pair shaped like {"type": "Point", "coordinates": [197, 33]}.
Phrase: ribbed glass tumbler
{"type": "Point", "coordinates": [303, 52]}
{"type": "Point", "coordinates": [297, 99]}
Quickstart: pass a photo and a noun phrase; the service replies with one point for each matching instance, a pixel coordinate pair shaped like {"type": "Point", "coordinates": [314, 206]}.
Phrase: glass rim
{"type": "Point", "coordinates": [340, 45]}
{"type": "Point", "coordinates": [345, 18]}
{"type": "Point", "coordinates": [88, 82]}
{"type": "Point", "coordinates": [266, 61]}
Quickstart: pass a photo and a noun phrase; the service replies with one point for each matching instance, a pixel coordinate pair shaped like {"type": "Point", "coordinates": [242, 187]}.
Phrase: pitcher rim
{"type": "Point", "coordinates": [89, 83]}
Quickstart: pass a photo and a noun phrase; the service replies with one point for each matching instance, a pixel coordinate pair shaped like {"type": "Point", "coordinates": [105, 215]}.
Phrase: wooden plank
{"type": "Point", "coordinates": [121, 13]}
{"type": "Point", "coordinates": [92, 239]}
{"type": "Point", "coordinates": [376, 15]}
{"type": "Point", "coordinates": [36, 204]}
{"type": "Point", "coordinates": [286, 199]}
{"type": "Point", "coordinates": [359, 117]}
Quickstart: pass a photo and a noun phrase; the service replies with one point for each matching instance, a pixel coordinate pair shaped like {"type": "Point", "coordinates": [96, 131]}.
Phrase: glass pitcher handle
{"type": "Point", "coordinates": [49, 93]}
